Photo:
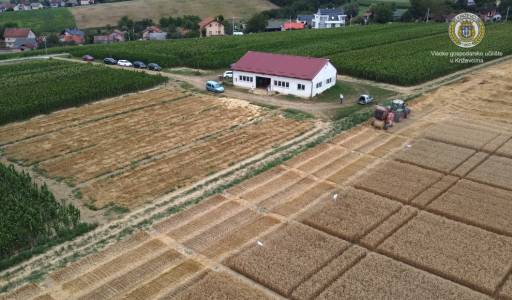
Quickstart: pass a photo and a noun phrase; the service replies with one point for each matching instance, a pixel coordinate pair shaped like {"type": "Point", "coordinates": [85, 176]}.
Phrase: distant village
{"type": "Point", "coordinates": [23, 39]}
{"type": "Point", "coordinates": [22, 5]}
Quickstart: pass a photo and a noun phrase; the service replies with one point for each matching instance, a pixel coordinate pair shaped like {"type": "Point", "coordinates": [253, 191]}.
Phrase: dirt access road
{"type": "Point", "coordinates": [422, 211]}
{"type": "Point", "coordinates": [321, 109]}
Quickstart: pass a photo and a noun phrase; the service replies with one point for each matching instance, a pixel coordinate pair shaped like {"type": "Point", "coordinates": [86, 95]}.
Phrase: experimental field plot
{"type": "Point", "coordinates": [112, 151]}
{"type": "Point", "coordinates": [413, 213]}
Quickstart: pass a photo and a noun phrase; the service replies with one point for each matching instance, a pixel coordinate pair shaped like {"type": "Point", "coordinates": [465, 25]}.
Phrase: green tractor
{"type": "Point", "coordinates": [400, 109]}
{"type": "Point", "coordinates": [386, 116]}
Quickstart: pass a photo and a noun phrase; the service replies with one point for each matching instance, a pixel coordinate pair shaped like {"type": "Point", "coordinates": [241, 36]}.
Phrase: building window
{"type": "Point", "coordinates": [319, 85]}
{"type": "Point", "coordinates": [282, 84]}
{"type": "Point", "coordinates": [329, 80]}
{"type": "Point", "coordinates": [246, 78]}
{"type": "Point", "coordinates": [301, 87]}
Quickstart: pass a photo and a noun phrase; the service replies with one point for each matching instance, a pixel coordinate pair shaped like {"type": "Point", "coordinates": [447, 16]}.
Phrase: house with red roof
{"type": "Point", "coordinates": [211, 27]}
{"type": "Point", "coordinates": [19, 38]}
{"type": "Point", "coordinates": [299, 76]}
{"type": "Point", "coordinates": [293, 26]}
{"type": "Point", "coordinates": [72, 35]}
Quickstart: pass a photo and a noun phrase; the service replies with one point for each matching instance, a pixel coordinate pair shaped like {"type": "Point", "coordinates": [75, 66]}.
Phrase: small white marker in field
{"type": "Point", "coordinates": [259, 243]}
{"type": "Point", "coordinates": [335, 196]}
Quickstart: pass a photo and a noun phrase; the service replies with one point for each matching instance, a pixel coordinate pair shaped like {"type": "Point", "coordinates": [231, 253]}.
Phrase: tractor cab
{"type": "Point", "coordinates": [400, 109]}
{"type": "Point", "coordinates": [397, 105]}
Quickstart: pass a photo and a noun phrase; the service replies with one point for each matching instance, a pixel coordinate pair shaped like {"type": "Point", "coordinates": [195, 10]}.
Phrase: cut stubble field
{"type": "Point", "coordinates": [167, 138]}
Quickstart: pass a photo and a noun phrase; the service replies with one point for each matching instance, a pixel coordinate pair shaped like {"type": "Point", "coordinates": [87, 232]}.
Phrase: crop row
{"type": "Point", "coordinates": [31, 217]}
{"type": "Point", "coordinates": [35, 88]}
{"type": "Point", "coordinates": [413, 61]}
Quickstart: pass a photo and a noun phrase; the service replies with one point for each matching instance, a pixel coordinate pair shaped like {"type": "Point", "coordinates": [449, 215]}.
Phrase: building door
{"type": "Point", "coordinates": [262, 82]}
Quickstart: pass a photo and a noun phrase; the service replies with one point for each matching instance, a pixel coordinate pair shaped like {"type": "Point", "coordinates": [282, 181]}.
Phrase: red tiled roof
{"type": "Point", "coordinates": [299, 67]}
{"type": "Point", "coordinates": [16, 32]}
{"type": "Point", "coordinates": [293, 25]}
{"type": "Point", "coordinates": [206, 21]}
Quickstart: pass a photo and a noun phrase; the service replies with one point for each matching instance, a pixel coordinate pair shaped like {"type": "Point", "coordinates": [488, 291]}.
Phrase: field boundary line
{"type": "Point", "coordinates": [160, 208]}
{"type": "Point", "coordinates": [338, 275]}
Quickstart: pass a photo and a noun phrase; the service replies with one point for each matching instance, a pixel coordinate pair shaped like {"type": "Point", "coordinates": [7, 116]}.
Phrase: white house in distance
{"type": "Point", "coordinates": [328, 18]}
{"type": "Point", "coordinates": [299, 76]}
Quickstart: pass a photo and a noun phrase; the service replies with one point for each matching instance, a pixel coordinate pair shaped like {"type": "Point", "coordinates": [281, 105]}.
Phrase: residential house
{"type": "Point", "coordinates": [274, 25]}
{"type": "Point", "coordinates": [72, 35]}
{"type": "Point", "coordinates": [490, 16]}
{"type": "Point", "coordinates": [398, 14]}
{"type": "Point", "coordinates": [329, 18]}
{"type": "Point", "coordinates": [55, 3]}
{"type": "Point", "coordinates": [300, 76]}
{"type": "Point", "coordinates": [153, 33]}
{"type": "Point", "coordinates": [115, 37]}
{"type": "Point", "coordinates": [367, 16]}
{"type": "Point", "coordinates": [36, 5]}
{"type": "Point", "coordinates": [20, 38]}
{"type": "Point", "coordinates": [6, 6]}
{"type": "Point", "coordinates": [86, 2]}
{"type": "Point", "coordinates": [70, 3]}
{"type": "Point", "coordinates": [211, 27]}
{"type": "Point", "coordinates": [22, 6]}
{"type": "Point", "coordinates": [292, 26]}
{"type": "Point", "coordinates": [307, 20]}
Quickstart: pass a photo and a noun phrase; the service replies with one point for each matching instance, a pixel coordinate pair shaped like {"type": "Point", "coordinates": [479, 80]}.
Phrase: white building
{"type": "Point", "coordinates": [300, 76]}
{"type": "Point", "coordinates": [328, 18]}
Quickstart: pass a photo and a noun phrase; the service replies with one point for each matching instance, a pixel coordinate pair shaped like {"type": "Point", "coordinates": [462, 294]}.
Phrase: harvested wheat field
{"type": "Point", "coordinates": [422, 211]}
{"type": "Point", "coordinates": [166, 138]}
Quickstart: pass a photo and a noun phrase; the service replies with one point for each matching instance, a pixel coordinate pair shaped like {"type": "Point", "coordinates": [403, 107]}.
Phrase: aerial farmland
{"type": "Point", "coordinates": [125, 183]}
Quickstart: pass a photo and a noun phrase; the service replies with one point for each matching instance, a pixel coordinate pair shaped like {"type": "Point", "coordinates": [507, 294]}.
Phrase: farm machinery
{"type": "Point", "coordinates": [387, 116]}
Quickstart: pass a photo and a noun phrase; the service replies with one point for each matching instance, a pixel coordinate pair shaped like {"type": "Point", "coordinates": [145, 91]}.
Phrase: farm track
{"type": "Point", "coordinates": [329, 223]}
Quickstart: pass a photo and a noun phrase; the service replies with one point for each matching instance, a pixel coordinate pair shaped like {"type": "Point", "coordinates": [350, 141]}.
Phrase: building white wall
{"type": "Point", "coordinates": [310, 86]}
{"type": "Point", "coordinates": [323, 21]}
{"type": "Point", "coordinates": [328, 72]}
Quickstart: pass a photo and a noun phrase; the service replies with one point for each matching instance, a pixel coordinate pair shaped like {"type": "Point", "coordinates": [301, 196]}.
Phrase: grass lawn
{"type": "Point", "coordinates": [41, 20]}
{"type": "Point", "coordinates": [352, 91]}
{"type": "Point", "coordinates": [192, 72]}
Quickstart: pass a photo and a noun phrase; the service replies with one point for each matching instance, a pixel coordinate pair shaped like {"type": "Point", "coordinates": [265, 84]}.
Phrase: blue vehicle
{"type": "Point", "coordinates": [214, 86]}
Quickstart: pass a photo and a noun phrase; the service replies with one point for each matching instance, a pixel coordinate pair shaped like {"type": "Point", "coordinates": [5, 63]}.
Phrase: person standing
{"type": "Point", "coordinates": [341, 98]}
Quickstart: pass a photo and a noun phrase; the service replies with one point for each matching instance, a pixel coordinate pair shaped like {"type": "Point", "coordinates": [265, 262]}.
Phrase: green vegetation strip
{"type": "Point", "coordinates": [33, 88]}
{"type": "Point", "coordinates": [394, 53]}
{"type": "Point", "coordinates": [31, 220]}
{"type": "Point", "coordinates": [40, 20]}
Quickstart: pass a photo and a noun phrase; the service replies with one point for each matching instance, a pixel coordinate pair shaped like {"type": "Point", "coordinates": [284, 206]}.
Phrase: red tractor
{"type": "Point", "coordinates": [386, 117]}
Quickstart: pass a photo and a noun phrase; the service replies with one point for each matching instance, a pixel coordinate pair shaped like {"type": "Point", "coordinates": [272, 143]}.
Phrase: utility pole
{"type": "Point", "coordinates": [45, 48]}
{"type": "Point", "coordinates": [428, 14]}
{"type": "Point", "coordinates": [506, 17]}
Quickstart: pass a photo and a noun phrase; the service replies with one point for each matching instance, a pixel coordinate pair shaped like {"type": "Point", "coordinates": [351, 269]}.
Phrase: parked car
{"type": "Point", "coordinates": [110, 61]}
{"type": "Point", "coordinates": [228, 74]}
{"type": "Point", "coordinates": [365, 99]}
{"type": "Point", "coordinates": [154, 67]}
{"type": "Point", "coordinates": [87, 58]}
{"type": "Point", "coordinates": [214, 86]}
{"type": "Point", "coordinates": [238, 33]}
{"type": "Point", "coordinates": [124, 63]}
{"type": "Point", "coordinates": [139, 65]}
